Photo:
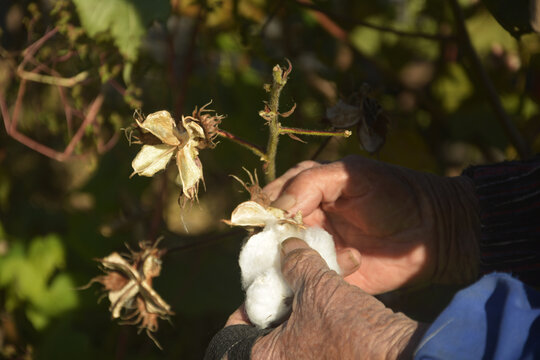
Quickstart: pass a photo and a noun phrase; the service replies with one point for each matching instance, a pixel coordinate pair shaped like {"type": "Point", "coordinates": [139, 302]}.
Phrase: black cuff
{"type": "Point", "coordinates": [236, 341]}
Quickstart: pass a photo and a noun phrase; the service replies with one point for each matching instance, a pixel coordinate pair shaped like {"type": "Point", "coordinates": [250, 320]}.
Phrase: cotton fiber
{"type": "Point", "coordinates": [268, 296]}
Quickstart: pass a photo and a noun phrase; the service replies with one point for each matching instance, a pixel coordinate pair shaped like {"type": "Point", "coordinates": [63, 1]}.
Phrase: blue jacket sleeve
{"type": "Point", "coordinates": [498, 317]}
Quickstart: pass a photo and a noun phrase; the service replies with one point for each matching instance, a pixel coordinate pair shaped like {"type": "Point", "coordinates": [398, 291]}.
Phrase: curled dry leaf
{"type": "Point", "coordinates": [128, 285]}
{"type": "Point", "coordinates": [257, 212]}
{"type": "Point", "coordinates": [181, 141]}
{"type": "Point", "coordinates": [366, 114]}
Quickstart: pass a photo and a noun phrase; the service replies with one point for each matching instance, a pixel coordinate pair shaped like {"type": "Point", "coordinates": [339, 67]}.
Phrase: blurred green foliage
{"type": "Point", "coordinates": [57, 216]}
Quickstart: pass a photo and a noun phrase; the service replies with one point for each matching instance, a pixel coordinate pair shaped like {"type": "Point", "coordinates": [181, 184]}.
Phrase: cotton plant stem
{"type": "Point", "coordinates": [53, 80]}
{"type": "Point", "coordinates": [290, 130]}
{"type": "Point", "coordinates": [509, 127]}
{"type": "Point", "coordinates": [271, 115]}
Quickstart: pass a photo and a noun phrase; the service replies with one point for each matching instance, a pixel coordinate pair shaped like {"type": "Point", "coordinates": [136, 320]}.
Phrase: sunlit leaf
{"type": "Point", "coordinates": [124, 20]}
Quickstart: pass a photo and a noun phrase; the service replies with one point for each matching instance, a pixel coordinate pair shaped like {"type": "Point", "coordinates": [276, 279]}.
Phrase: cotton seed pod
{"type": "Point", "coordinates": [180, 141]}
{"type": "Point", "coordinates": [343, 115]}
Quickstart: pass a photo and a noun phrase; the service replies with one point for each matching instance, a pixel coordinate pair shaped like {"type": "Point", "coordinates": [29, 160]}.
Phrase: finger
{"type": "Point", "coordinates": [274, 188]}
{"type": "Point", "coordinates": [348, 260]}
{"type": "Point", "coordinates": [300, 263]}
{"type": "Point", "coordinates": [238, 317]}
{"type": "Point", "coordinates": [311, 187]}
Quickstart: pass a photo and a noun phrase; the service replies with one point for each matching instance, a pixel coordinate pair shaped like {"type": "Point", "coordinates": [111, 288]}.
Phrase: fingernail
{"type": "Point", "coordinates": [284, 202]}
{"type": "Point", "coordinates": [291, 244]}
{"type": "Point", "coordinates": [348, 261]}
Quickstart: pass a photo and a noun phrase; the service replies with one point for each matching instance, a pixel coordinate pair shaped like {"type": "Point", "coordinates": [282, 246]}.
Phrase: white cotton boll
{"type": "Point", "coordinates": [261, 251]}
{"type": "Point", "coordinates": [267, 298]}
{"type": "Point", "coordinates": [323, 243]}
{"type": "Point", "coordinates": [267, 292]}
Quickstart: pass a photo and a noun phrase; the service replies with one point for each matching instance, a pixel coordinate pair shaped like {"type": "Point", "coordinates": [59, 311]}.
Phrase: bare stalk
{"type": "Point", "coordinates": [290, 130]}
{"type": "Point", "coordinates": [271, 115]}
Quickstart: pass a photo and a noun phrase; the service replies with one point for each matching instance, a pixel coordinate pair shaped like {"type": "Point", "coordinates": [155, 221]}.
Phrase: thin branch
{"type": "Point", "coordinates": [250, 146]}
{"type": "Point", "coordinates": [12, 131]}
{"type": "Point", "coordinates": [512, 132]}
{"type": "Point", "coordinates": [290, 130]}
{"type": "Point", "coordinates": [52, 80]}
{"type": "Point", "coordinates": [103, 148]}
{"type": "Point", "coordinates": [90, 117]}
{"type": "Point", "coordinates": [18, 106]}
{"type": "Point", "coordinates": [30, 51]}
{"type": "Point", "coordinates": [333, 28]}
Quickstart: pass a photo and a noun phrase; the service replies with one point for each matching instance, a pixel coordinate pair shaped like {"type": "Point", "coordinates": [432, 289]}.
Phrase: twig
{"type": "Point", "coordinates": [333, 28]}
{"type": "Point", "coordinates": [103, 148]}
{"type": "Point", "coordinates": [290, 130]}
{"type": "Point", "coordinates": [12, 131]}
{"type": "Point", "coordinates": [52, 80]}
{"type": "Point", "coordinates": [90, 117]}
{"type": "Point", "coordinates": [32, 49]}
{"type": "Point", "coordinates": [254, 148]}
{"type": "Point", "coordinates": [512, 132]}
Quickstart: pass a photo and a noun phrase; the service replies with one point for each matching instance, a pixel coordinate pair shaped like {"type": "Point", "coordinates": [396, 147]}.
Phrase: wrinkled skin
{"type": "Point", "coordinates": [332, 319]}
{"type": "Point", "coordinates": [409, 228]}
{"type": "Point", "coordinates": [393, 227]}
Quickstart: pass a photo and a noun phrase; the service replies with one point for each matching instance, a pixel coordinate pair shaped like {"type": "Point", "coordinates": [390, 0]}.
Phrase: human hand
{"type": "Point", "coordinates": [409, 227]}
{"type": "Point", "coordinates": [330, 318]}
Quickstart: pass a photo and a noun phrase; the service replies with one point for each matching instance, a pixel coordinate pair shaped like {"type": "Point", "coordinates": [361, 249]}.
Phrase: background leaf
{"type": "Point", "coordinates": [124, 20]}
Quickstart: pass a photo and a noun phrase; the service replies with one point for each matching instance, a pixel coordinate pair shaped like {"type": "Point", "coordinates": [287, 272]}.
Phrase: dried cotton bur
{"type": "Point", "coordinates": [163, 139]}
{"type": "Point", "coordinates": [364, 112]}
{"type": "Point", "coordinates": [268, 296]}
{"type": "Point", "coordinates": [128, 285]}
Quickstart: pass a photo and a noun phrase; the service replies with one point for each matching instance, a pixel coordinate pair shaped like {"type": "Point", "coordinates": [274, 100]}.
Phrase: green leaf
{"type": "Point", "coordinates": [59, 297]}
{"type": "Point", "coordinates": [46, 254]}
{"type": "Point", "coordinates": [11, 263]}
{"type": "Point", "coordinates": [517, 17]}
{"type": "Point", "coordinates": [125, 20]}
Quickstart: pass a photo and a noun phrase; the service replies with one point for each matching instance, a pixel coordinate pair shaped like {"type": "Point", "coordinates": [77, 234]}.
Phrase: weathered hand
{"type": "Point", "coordinates": [330, 318]}
{"type": "Point", "coordinates": [409, 227]}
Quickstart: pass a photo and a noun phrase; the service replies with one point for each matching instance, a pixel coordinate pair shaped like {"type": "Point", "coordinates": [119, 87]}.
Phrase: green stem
{"type": "Point", "coordinates": [289, 130]}
{"type": "Point", "coordinates": [271, 115]}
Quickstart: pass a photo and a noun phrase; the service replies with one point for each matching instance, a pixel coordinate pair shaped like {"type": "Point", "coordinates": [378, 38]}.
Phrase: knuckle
{"type": "Point", "coordinates": [306, 164]}
{"type": "Point", "coordinates": [297, 260]}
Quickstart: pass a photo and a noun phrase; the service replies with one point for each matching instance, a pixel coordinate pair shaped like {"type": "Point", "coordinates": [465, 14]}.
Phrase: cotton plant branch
{"type": "Point", "coordinates": [12, 131]}
{"type": "Point", "coordinates": [271, 115]}
{"type": "Point", "coordinates": [45, 74]}
{"type": "Point", "coordinates": [297, 131]}
{"type": "Point", "coordinates": [244, 143]}
{"type": "Point", "coordinates": [329, 20]}
{"type": "Point", "coordinates": [515, 137]}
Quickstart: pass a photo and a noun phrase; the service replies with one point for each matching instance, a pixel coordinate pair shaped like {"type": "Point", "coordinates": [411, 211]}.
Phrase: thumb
{"type": "Point", "coordinates": [301, 264]}
{"type": "Point", "coordinates": [311, 187]}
